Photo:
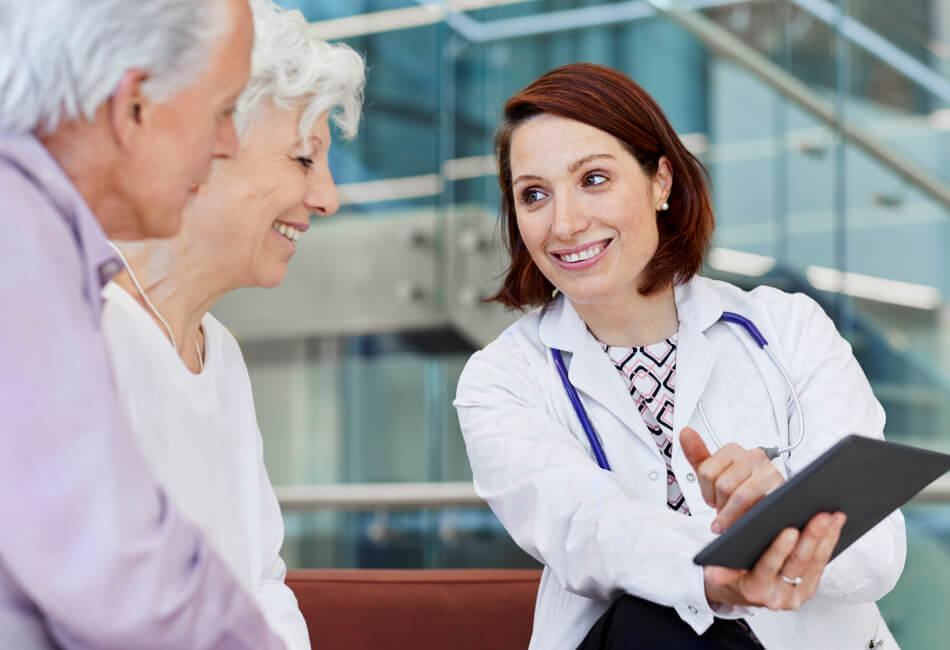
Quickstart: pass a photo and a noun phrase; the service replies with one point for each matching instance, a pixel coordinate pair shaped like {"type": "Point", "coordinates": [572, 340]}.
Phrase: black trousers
{"type": "Point", "coordinates": [632, 623]}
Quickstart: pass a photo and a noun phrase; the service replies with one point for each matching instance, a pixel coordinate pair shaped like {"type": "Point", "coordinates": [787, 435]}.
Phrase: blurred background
{"type": "Point", "coordinates": [825, 126]}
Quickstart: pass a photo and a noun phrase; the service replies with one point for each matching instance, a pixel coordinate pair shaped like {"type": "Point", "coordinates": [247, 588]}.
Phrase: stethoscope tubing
{"type": "Point", "coordinates": [730, 317]}
{"type": "Point", "coordinates": [586, 424]}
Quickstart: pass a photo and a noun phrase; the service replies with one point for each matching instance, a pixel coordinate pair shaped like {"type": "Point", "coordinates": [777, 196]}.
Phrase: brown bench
{"type": "Point", "coordinates": [452, 609]}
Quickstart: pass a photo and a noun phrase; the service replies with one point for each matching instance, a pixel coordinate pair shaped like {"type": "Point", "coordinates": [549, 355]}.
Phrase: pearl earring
{"type": "Point", "coordinates": [664, 206]}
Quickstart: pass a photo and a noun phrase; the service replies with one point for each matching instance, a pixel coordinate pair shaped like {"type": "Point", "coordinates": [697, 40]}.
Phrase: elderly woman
{"type": "Point", "coordinates": [180, 373]}
{"type": "Point", "coordinates": [607, 217]}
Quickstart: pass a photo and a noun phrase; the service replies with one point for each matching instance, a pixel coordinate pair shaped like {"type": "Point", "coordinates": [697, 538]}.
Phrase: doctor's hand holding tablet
{"type": "Point", "coordinates": [734, 479]}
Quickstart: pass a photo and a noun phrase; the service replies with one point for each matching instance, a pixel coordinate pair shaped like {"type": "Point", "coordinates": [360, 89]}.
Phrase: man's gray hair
{"type": "Point", "coordinates": [62, 59]}
{"type": "Point", "coordinates": [293, 68]}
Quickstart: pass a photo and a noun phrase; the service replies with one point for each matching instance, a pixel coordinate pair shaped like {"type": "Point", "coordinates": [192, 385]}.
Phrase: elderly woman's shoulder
{"type": "Point", "coordinates": [220, 337]}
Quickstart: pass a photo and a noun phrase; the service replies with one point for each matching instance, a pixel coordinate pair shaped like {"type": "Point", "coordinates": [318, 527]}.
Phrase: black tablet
{"type": "Point", "coordinates": [867, 479]}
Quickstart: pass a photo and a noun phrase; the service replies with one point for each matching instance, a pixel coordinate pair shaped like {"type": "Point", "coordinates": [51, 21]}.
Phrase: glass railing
{"type": "Point", "coordinates": [470, 538]}
{"type": "Point", "coordinates": [371, 410]}
{"type": "Point", "coordinates": [383, 415]}
{"type": "Point", "coordinates": [788, 188]}
{"type": "Point", "coordinates": [848, 227]}
{"type": "Point", "coordinates": [882, 65]}
{"type": "Point", "coordinates": [914, 609]}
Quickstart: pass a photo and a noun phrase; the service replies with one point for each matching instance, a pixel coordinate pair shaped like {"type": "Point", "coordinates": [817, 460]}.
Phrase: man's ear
{"type": "Point", "coordinates": [128, 105]}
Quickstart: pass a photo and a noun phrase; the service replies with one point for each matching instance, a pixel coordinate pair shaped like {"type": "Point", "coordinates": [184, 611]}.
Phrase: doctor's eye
{"type": "Point", "coordinates": [306, 161]}
{"type": "Point", "coordinates": [531, 195]}
{"type": "Point", "coordinates": [594, 178]}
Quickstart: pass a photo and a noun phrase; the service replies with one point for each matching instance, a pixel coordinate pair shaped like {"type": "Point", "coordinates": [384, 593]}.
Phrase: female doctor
{"type": "Point", "coordinates": [607, 218]}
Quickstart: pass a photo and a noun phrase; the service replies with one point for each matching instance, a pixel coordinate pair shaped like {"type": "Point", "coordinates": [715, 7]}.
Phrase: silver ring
{"type": "Point", "coordinates": [792, 581]}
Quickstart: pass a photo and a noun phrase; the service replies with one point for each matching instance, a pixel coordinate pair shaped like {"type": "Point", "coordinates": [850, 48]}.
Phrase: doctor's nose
{"type": "Point", "coordinates": [568, 219]}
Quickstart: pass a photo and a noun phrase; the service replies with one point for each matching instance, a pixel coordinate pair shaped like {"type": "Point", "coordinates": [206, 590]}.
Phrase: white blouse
{"type": "Point", "coordinates": [201, 438]}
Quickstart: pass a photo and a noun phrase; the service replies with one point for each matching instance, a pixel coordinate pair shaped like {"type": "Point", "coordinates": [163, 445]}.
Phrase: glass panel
{"type": "Point", "coordinates": [914, 609]}
{"type": "Point", "coordinates": [381, 413]}
{"type": "Point", "coordinates": [884, 66]}
{"type": "Point", "coordinates": [405, 539]}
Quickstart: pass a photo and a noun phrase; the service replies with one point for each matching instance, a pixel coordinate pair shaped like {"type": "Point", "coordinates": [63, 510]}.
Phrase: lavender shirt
{"type": "Point", "coordinates": [92, 555]}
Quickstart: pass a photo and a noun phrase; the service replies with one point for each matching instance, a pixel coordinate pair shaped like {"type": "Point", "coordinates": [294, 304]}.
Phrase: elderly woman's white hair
{"type": "Point", "coordinates": [61, 59]}
{"type": "Point", "coordinates": [292, 67]}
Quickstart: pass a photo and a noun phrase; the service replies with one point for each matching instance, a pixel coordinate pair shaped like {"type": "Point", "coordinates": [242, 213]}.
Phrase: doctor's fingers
{"type": "Point", "coordinates": [727, 469]}
{"type": "Point", "coordinates": [751, 472]}
{"type": "Point", "coordinates": [760, 584]}
{"type": "Point", "coordinates": [741, 487]}
{"type": "Point", "coordinates": [807, 562]}
{"type": "Point", "coordinates": [693, 446]}
{"type": "Point", "coordinates": [709, 471]}
{"type": "Point", "coordinates": [817, 543]}
{"type": "Point", "coordinates": [802, 565]}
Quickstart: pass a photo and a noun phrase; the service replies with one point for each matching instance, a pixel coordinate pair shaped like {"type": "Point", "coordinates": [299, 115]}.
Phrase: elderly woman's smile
{"type": "Point", "coordinates": [253, 209]}
{"type": "Point", "coordinates": [290, 232]}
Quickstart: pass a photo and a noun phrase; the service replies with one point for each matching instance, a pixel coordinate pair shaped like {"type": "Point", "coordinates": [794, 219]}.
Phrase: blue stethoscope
{"type": "Point", "coordinates": [727, 316]}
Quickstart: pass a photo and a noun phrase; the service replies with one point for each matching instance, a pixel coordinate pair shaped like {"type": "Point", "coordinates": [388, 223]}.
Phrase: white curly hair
{"type": "Point", "coordinates": [292, 67]}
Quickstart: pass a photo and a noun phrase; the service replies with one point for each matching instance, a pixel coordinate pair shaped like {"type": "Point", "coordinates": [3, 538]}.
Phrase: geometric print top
{"type": "Point", "coordinates": [649, 372]}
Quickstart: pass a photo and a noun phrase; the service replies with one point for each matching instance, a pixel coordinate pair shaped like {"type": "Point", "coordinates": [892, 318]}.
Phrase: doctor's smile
{"type": "Point", "coordinates": [581, 257]}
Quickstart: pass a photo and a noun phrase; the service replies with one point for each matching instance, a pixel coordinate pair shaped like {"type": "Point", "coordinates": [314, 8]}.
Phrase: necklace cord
{"type": "Point", "coordinates": [153, 309]}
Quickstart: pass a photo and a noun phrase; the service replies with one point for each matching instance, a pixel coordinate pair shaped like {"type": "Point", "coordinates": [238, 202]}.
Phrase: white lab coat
{"type": "Point", "coordinates": [601, 534]}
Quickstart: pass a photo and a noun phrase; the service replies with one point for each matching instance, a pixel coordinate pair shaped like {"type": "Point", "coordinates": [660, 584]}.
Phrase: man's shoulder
{"type": "Point", "coordinates": [36, 241]}
{"type": "Point", "coordinates": [29, 216]}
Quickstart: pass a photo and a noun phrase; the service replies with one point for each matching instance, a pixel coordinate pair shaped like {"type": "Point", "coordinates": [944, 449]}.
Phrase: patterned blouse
{"type": "Point", "coordinates": [649, 373]}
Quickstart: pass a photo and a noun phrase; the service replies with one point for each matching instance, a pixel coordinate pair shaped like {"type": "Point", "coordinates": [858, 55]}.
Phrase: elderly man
{"type": "Point", "coordinates": [111, 112]}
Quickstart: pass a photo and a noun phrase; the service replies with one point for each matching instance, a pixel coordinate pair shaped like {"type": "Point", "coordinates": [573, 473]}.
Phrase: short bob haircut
{"type": "Point", "coordinates": [610, 101]}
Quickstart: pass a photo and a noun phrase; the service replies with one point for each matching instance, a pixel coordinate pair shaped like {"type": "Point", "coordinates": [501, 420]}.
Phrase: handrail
{"type": "Point", "coordinates": [872, 42]}
{"type": "Point", "coordinates": [400, 496]}
{"type": "Point", "coordinates": [373, 496]}
{"type": "Point", "coordinates": [562, 20]}
{"type": "Point", "coordinates": [936, 492]}
{"type": "Point", "coordinates": [726, 45]}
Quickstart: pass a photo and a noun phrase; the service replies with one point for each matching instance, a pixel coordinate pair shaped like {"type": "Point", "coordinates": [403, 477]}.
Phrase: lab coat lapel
{"type": "Point", "coordinates": [590, 369]}
{"type": "Point", "coordinates": [694, 363]}
{"type": "Point", "coordinates": [698, 307]}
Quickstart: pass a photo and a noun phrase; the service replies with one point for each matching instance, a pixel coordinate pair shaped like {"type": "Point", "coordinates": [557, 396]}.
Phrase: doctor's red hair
{"type": "Point", "coordinates": [608, 100]}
